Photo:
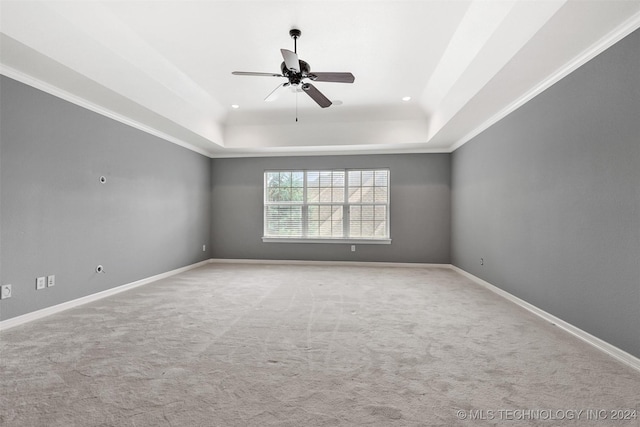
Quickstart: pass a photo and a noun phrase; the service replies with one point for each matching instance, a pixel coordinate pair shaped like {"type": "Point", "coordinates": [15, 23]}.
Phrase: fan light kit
{"type": "Point", "coordinates": [296, 70]}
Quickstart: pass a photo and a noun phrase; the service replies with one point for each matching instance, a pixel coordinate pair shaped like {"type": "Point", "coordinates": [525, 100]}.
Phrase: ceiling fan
{"type": "Point", "coordinates": [296, 71]}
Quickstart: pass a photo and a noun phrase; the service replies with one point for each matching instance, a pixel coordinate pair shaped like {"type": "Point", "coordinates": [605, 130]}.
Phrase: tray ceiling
{"type": "Point", "coordinates": [165, 66]}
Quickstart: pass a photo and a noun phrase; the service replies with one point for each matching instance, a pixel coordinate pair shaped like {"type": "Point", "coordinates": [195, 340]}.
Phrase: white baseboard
{"type": "Point", "coordinates": [39, 314]}
{"type": "Point", "coordinates": [325, 263]}
{"type": "Point", "coordinates": [613, 351]}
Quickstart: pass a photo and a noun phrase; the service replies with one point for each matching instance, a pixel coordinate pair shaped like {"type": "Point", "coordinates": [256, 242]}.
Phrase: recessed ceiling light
{"type": "Point", "coordinates": [406, 98]}
{"type": "Point", "coordinates": [235, 106]}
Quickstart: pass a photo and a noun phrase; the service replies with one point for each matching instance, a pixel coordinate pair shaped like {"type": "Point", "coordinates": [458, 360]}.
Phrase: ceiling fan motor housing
{"type": "Point", "coordinates": [295, 78]}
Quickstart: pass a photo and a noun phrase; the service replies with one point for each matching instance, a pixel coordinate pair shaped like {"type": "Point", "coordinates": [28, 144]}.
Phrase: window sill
{"type": "Point", "coordinates": [338, 241]}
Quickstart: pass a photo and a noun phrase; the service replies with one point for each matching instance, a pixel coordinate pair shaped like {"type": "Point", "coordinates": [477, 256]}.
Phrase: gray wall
{"type": "Point", "coordinates": [420, 209]}
{"type": "Point", "coordinates": [550, 198]}
{"type": "Point", "coordinates": [151, 216]}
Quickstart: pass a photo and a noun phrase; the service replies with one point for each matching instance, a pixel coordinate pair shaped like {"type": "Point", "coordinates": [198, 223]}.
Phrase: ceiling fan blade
{"type": "Point", "coordinates": [291, 60]}
{"type": "Point", "coordinates": [250, 73]}
{"type": "Point", "coordinates": [316, 95]}
{"type": "Point", "coordinates": [275, 93]}
{"type": "Point", "coordinates": [332, 77]}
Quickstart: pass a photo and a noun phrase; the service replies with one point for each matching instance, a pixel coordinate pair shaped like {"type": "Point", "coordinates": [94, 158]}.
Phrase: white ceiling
{"type": "Point", "coordinates": [165, 66]}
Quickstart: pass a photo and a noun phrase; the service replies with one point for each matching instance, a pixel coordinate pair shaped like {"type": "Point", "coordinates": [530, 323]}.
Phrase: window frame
{"type": "Point", "coordinates": [346, 205]}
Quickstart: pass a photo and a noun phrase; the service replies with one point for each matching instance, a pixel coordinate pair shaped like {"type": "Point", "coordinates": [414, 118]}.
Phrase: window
{"type": "Point", "coordinates": [327, 205]}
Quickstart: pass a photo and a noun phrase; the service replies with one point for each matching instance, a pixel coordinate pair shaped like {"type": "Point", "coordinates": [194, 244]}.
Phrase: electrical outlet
{"type": "Point", "coordinates": [41, 283]}
{"type": "Point", "coordinates": [353, 248]}
{"type": "Point", "coordinates": [204, 248]}
{"type": "Point", "coordinates": [481, 261]}
{"type": "Point", "coordinates": [51, 281]}
{"type": "Point", "coordinates": [5, 292]}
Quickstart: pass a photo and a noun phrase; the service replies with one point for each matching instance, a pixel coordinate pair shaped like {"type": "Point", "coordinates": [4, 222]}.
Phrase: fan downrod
{"type": "Point", "coordinates": [295, 34]}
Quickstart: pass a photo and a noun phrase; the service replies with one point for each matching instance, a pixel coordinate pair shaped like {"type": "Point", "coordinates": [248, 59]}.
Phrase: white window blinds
{"type": "Point", "coordinates": [327, 204]}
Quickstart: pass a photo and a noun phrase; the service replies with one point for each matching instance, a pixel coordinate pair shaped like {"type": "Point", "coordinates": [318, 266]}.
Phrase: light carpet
{"type": "Point", "coordinates": [274, 345]}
